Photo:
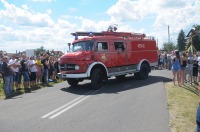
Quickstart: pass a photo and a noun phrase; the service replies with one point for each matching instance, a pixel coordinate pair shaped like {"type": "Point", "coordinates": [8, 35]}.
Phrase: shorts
{"type": "Point", "coordinates": [176, 68]}
{"type": "Point", "coordinates": [39, 72]}
{"type": "Point", "coordinates": [195, 74]}
{"type": "Point", "coordinates": [183, 68]}
{"type": "Point", "coordinates": [33, 76]}
{"type": "Point", "coordinates": [16, 79]}
{"type": "Point", "coordinates": [26, 76]}
{"type": "Point", "coordinates": [189, 70]}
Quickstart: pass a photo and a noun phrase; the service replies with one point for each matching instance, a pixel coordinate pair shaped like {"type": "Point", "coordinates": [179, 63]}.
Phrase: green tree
{"type": "Point", "coordinates": [195, 40]}
{"type": "Point", "coordinates": [39, 50]}
{"type": "Point", "coordinates": [181, 41]}
{"type": "Point", "coordinates": [196, 27]}
{"type": "Point", "coordinates": [169, 46]}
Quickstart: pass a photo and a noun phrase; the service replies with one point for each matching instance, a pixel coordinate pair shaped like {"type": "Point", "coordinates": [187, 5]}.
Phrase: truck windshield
{"type": "Point", "coordinates": [83, 46]}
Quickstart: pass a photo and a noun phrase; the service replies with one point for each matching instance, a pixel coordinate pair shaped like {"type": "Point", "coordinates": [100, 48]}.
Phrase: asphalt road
{"type": "Point", "coordinates": [127, 105]}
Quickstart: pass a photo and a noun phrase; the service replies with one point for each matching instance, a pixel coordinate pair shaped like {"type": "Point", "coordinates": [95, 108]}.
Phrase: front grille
{"type": "Point", "coordinates": [67, 67]}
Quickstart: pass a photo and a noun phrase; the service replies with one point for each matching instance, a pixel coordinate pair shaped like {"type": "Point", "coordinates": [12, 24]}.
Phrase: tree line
{"type": "Point", "coordinates": [182, 45]}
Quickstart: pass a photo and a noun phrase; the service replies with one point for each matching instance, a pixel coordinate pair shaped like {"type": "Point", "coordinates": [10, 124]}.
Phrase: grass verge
{"type": "Point", "coordinates": [182, 104]}
{"type": "Point", "coordinates": [1, 89]}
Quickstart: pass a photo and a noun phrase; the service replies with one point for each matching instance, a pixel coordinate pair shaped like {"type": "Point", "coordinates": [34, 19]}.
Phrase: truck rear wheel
{"type": "Point", "coordinates": [97, 79]}
{"type": "Point", "coordinates": [72, 81]}
{"type": "Point", "coordinates": [143, 73]}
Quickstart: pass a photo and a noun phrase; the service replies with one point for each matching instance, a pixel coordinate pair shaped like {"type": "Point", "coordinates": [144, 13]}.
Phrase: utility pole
{"type": "Point", "coordinates": [168, 35]}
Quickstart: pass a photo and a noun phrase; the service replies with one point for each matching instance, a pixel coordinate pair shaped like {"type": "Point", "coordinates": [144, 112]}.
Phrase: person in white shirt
{"type": "Point", "coordinates": [14, 65]}
{"type": "Point", "coordinates": [33, 70]}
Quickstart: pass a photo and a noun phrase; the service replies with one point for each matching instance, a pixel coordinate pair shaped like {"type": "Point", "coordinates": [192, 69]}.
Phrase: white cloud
{"type": "Point", "coordinates": [25, 7]}
{"type": "Point", "coordinates": [34, 29]}
{"type": "Point", "coordinates": [24, 17]}
{"type": "Point", "coordinates": [178, 14]}
{"type": "Point", "coordinates": [28, 30]}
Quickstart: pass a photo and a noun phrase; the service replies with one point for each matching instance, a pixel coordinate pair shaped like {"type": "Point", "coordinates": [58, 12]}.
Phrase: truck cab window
{"type": "Point", "coordinates": [102, 46]}
{"type": "Point", "coordinates": [83, 46]}
{"type": "Point", "coordinates": [119, 46]}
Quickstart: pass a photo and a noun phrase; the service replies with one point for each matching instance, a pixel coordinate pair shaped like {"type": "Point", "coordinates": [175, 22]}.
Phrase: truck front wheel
{"type": "Point", "coordinates": [72, 81]}
{"type": "Point", "coordinates": [97, 79]}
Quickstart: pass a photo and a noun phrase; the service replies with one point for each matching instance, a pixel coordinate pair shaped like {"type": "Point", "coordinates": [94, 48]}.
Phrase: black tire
{"type": "Point", "coordinates": [97, 79]}
{"type": "Point", "coordinates": [143, 73]}
{"type": "Point", "coordinates": [120, 77]}
{"type": "Point", "coordinates": [137, 75]}
{"type": "Point", "coordinates": [72, 81]}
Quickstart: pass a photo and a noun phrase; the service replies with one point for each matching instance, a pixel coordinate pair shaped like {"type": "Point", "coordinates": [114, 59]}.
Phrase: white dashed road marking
{"type": "Point", "coordinates": [69, 105]}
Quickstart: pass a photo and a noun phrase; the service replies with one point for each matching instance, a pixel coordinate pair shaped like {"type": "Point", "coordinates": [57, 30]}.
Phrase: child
{"type": "Point", "coordinates": [195, 71]}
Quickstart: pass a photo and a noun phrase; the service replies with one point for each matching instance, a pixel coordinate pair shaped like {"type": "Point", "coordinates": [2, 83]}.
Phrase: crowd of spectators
{"type": "Point", "coordinates": [32, 71]}
{"type": "Point", "coordinates": [184, 65]}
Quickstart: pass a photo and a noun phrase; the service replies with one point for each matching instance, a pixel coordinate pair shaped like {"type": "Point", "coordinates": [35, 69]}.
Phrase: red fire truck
{"type": "Point", "coordinates": [100, 55]}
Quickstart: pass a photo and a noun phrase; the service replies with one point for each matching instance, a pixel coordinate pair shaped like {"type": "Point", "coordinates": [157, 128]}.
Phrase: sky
{"type": "Point", "coordinates": [30, 24]}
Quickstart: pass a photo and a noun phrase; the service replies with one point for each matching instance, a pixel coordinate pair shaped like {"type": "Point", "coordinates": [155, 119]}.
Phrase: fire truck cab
{"type": "Point", "coordinates": [100, 55]}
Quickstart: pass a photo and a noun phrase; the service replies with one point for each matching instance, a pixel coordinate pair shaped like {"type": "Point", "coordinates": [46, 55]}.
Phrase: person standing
{"type": "Point", "coordinates": [183, 67]}
{"type": "Point", "coordinates": [56, 66]}
{"type": "Point", "coordinates": [39, 70]}
{"type": "Point", "coordinates": [176, 68]}
{"type": "Point", "coordinates": [33, 70]}
{"type": "Point", "coordinates": [14, 65]}
{"type": "Point", "coordinates": [1, 67]}
{"type": "Point", "coordinates": [195, 71]}
{"type": "Point", "coordinates": [8, 78]}
{"type": "Point", "coordinates": [190, 67]}
{"type": "Point", "coordinates": [169, 61]}
{"type": "Point", "coordinates": [51, 69]}
{"type": "Point", "coordinates": [24, 70]}
{"type": "Point", "coordinates": [45, 63]}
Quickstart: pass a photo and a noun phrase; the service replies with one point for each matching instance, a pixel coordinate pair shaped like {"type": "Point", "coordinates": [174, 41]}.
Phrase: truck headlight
{"type": "Point", "coordinates": [77, 67]}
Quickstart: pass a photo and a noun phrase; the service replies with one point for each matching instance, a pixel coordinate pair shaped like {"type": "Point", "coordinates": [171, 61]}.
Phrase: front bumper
{"type": "Point", "coordinates": [82, 75]}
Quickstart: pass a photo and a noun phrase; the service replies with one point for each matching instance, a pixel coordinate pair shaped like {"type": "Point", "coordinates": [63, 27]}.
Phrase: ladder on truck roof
{"type": "Point", "coordinates": [104, 33]}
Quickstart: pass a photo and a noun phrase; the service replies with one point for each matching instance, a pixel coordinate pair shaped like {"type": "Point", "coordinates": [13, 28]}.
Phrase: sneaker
{"type": "Point", "coordinates": [8, 97]}
{"type": "Point", "coordinates": [48, 85]}
{"type": "Point", "coordinates": [50, 80]}
{"type": "Point", "coordinates": [18, 89]}
{"type": "Point", "coordinates": [27, 90]}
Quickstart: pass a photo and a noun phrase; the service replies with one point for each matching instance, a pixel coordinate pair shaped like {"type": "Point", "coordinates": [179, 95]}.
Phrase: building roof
{"type": "Point", "coordinates": [193, 32]}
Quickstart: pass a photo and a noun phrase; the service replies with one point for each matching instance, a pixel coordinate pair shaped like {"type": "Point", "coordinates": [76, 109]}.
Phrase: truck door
{"type": "Point", "coordinates": [102, 53]}
{"type": "Point", "coordinates": [119, 56]}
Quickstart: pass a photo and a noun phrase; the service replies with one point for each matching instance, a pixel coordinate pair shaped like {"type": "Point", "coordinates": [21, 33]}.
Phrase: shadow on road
{"type": "Point", "coordinates": [117, 85]}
